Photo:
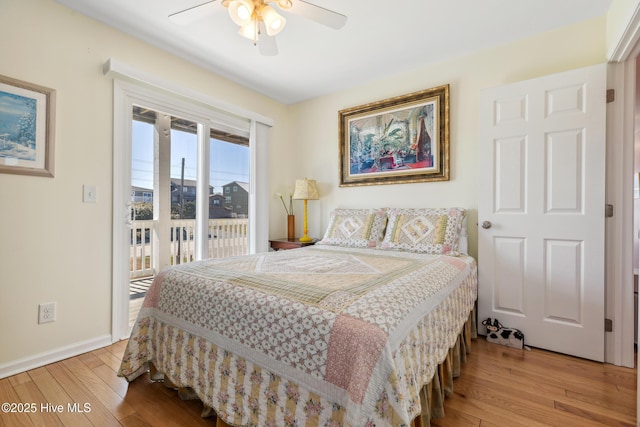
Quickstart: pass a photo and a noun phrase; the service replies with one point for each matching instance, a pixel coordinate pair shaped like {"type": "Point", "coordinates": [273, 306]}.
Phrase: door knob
{"type": "Point", "coordinates": [486, 224]}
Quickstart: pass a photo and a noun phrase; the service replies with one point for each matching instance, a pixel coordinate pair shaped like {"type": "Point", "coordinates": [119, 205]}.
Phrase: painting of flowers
{"type": "Point", "coordinates": [398, 140]}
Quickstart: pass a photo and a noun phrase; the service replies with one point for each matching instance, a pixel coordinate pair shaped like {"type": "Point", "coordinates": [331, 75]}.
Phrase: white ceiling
{"type": "Point", "coordinates": [381, 37]}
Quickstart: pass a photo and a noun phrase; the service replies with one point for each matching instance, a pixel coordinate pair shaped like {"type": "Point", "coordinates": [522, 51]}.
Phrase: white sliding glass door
{"type": "Point", "coordinates": [189, 200]}
{"type": "Point", "coordinates": [167, 210]}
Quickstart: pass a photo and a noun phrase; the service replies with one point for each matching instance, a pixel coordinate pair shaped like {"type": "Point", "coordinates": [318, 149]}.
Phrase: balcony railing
{"type": "Point", "coordinates": [141, 249]}
{"type": "Point", "coordinates": [226, 237]}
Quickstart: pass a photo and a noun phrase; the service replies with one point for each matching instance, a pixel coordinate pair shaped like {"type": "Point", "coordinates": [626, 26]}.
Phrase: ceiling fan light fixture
{"type": "Point", "coordinates": [285, 4]}
{"type": "Point", "coordinates": [241, 12]}
{"type": "Point", "coordinates": [274, 22]}
{"type": "Point", "coordinates": [257, 18]}
{"type": "Point", "coordinates": [249, 31]}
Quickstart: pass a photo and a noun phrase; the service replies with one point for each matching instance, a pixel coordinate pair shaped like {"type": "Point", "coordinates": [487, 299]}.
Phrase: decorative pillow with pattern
{"type": "Point", "coordinates": [355, 228]}
{"type": "Point", "coordinates": [429, 230]}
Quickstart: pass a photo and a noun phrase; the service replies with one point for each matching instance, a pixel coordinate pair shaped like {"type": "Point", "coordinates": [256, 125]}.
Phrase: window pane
{"type": "Point", "coordinates": [142, 163]}
{"type": "Point", "coordinates": [184, 152]}
{"type": "Point", "coordinates": [140, 262]}
{"type": "Point", "coordinates": [229, 203]}
{"type": "Point", "coordinates": [184, 160]}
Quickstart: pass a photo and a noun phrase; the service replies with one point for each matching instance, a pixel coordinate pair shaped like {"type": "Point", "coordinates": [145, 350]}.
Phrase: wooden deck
{"type": "Point", "coordinates": [138, 287]}
{"type": "Point", "coordinates": [137, 291]}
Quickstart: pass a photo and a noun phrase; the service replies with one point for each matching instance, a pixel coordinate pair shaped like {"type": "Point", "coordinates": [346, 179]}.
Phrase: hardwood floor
{"type": "Point", "coordinates": [499, 386]}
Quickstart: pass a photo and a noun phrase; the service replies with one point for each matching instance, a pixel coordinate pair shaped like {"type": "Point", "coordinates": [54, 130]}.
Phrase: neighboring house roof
{"type": "Point", "coordinates": [141, 189]}
{"type": "Point", "coordinates": [244, 185]}
{"type": "Point", "coordinates": [187, 182]}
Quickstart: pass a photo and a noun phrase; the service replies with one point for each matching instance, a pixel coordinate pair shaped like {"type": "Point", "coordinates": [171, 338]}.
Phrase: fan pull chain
{"type": "Point", "coordinates": [256, 31]}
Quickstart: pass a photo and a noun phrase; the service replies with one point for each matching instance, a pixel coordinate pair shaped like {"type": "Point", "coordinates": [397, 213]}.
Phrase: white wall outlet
{"type": "Point", "coordinates": [47, 312]}
{"type": "Point", "coordinates": [89, 193]}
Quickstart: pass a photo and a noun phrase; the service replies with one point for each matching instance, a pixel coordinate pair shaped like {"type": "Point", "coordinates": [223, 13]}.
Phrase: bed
{"type": "Point", "coordinates": [367, 327]}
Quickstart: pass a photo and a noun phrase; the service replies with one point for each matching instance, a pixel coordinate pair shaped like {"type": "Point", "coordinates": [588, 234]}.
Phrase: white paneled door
{"type": "Point", "coordinates": [541, 211]}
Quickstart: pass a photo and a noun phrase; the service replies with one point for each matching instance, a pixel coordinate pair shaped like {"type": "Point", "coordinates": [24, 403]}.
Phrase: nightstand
{"type": "Point", "coordinates": [285, 243]}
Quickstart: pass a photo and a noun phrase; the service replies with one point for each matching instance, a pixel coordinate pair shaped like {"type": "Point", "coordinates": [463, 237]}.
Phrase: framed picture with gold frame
{"type": "Point", "coordinates": [397, 140]}
{"type": "Point", "coordinates": [27, 119]}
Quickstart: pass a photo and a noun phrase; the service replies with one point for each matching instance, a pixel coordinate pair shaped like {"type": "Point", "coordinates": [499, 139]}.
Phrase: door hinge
{"type": "Point", "coordinates": [611, 95]}
{"type": "Point", "coordinates": [608, 211]}
{"type": "Point", "coordinates": [608, 325]}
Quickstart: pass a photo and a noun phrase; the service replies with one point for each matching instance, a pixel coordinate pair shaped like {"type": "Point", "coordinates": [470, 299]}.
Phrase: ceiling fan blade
{"type": "Point", "coordinates": [319, 14]}
{"type": "Point", "coordinates": [192, 14]}
{"type": "Point", "coordinates": [267, 44]}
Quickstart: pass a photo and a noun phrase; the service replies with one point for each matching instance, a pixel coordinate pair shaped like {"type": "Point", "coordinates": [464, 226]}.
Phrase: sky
{"type": "Point", "coordinates": [229, 162]}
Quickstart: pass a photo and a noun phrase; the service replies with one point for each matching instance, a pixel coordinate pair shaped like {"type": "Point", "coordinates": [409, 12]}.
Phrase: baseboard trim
{"type": "Point", "coordinates": [56, 355]}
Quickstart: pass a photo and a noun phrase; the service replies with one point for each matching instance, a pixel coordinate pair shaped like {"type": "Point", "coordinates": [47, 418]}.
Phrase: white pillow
{"type": "Point", "coordinates": [427, 230]}
{"type": "Point", "coordinates": [463, 239]}
{"type": "Point", "coordinates": [356, 228]}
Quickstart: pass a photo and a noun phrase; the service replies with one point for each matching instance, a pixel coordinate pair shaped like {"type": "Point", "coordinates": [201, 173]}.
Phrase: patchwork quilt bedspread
{"type": "Point", "coordinates": [318, 336]}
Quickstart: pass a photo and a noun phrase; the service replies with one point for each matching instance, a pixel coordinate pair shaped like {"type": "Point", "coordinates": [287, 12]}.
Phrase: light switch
{"type": "Point", "coordinates": [89, 194]}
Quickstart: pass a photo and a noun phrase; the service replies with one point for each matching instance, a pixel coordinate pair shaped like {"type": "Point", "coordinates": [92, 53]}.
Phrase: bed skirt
{"type": "Point", "coordinates": [432, 395]}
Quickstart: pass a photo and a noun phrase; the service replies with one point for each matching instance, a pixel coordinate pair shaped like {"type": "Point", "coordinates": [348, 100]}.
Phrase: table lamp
{"type": "Point", "coordinates": [306, 189]}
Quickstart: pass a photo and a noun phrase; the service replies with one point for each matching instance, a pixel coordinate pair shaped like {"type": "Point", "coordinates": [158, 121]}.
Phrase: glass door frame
{"type": "Point", "coordinates": [126, 95]}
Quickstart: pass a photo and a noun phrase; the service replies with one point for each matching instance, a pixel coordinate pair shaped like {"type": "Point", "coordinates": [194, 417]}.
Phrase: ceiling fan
{"type": "Point", "coordinates": [259, 21]}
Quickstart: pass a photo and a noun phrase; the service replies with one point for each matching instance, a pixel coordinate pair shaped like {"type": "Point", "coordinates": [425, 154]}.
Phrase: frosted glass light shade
{"type": "Point", "coordinates": [249, 31]}
{"type": "Point", "coordinates": [285, 4]}
{"type": "Point", "coordinates": [241, 12]}
{"type": "Point", "coordinates": [272, 20]}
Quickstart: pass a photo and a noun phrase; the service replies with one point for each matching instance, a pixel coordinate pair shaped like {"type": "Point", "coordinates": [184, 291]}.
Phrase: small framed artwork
{"type": "Point", "coordinates": [397, 140]}
{"type": "Point", "coordinates": [27, 119]}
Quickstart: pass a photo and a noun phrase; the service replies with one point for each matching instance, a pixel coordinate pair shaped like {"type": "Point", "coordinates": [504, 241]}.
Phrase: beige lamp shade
{"type": "Point", "coordinates": [306, 189]}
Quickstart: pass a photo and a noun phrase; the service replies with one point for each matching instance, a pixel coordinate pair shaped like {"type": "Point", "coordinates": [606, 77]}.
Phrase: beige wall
{"type": "Point", "coordinates": [618, 17]}
{"type": "Point", "coordinates": [316, 122]}
{"type": "Point", "coordinates": [56, 248]}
